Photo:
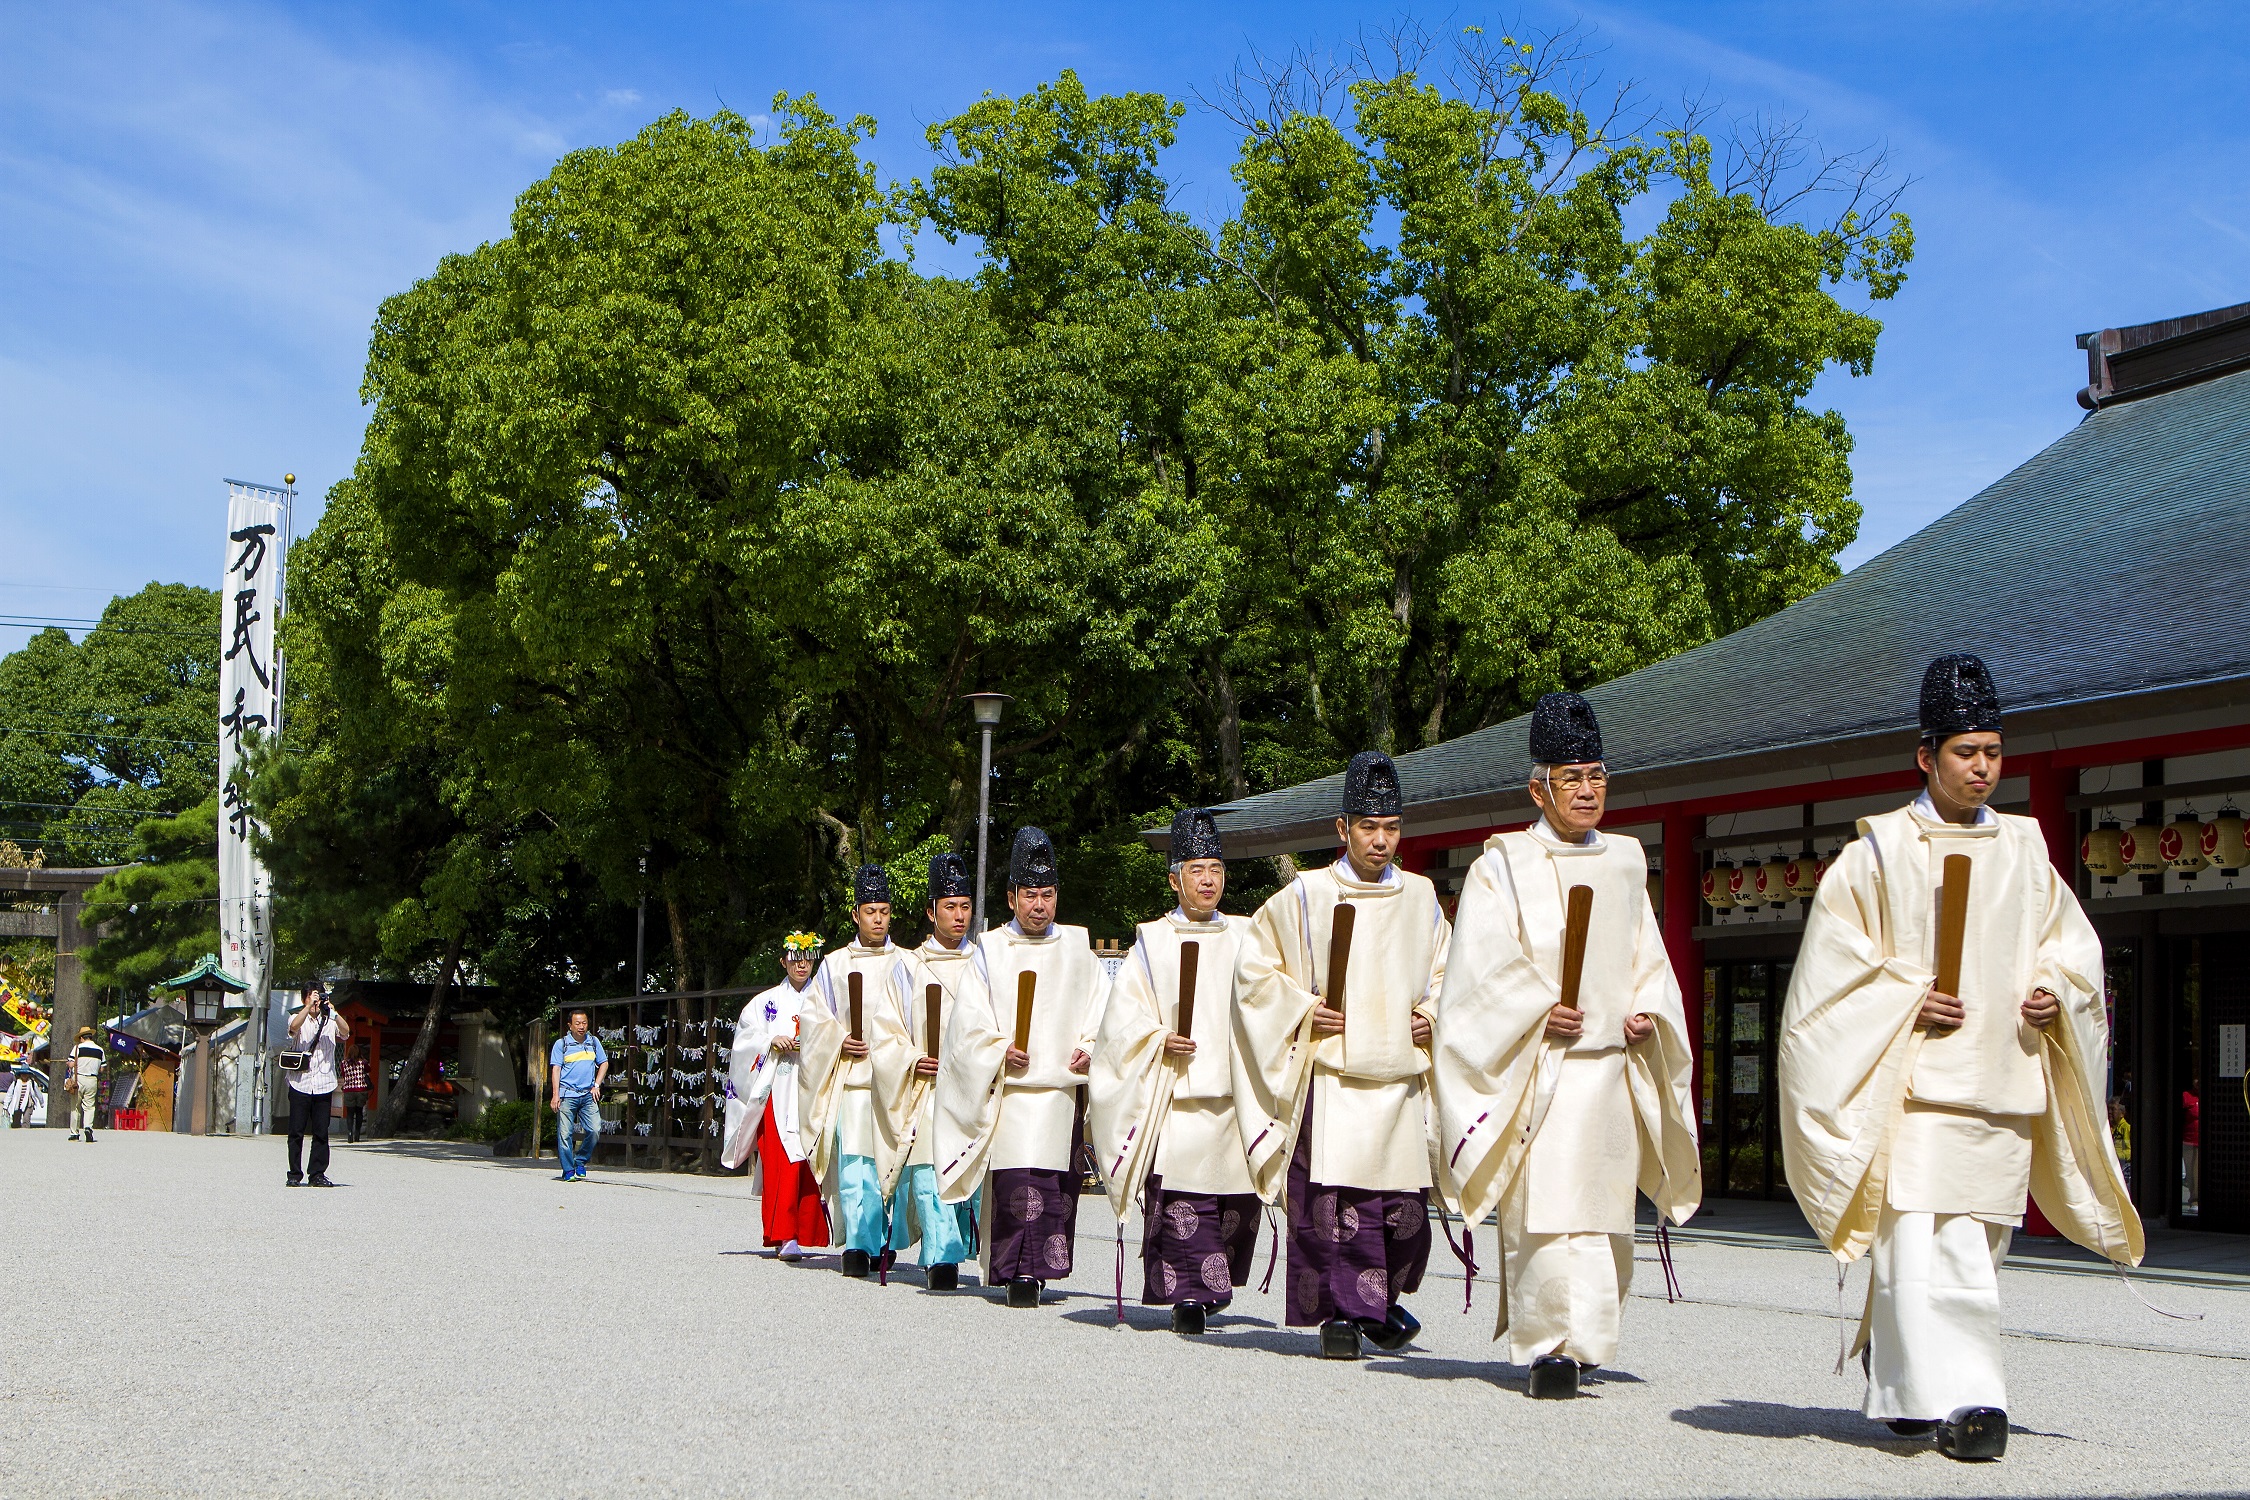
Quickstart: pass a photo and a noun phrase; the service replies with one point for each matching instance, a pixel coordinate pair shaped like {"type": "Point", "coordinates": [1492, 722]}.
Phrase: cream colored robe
{"type": "Point", "coordinates": [1371, 1125]}
{"type": "Point", "coordinates": [987, 1121]}
{"type": "Point", "coordinates": [897, 1039]}
{"type": "Point", "coordinates": [1851, 1059]}
{"type": "Point", "coordinates": [1557, 1136]}
{"type": "Point", "coordinates": [1924, 1146]}
{"type": "Point", "coordinates": [839, 1093]}
{"type": "Point", "coordinates": [756, 1072]}
{"type": "Point", "coordinates": [1149, 1112]}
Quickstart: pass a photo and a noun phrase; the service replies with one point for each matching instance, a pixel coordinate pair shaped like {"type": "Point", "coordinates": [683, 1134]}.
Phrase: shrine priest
{"type": "Point", "coordinates": [761, 1125]}
{"type": "Point", "coordinates": [1917, 1117]}
{"type": "Point", "coordinates": [903, 1039]}
{"type": "Point", "coordinates": [839, 1081]}
{"type": "Point", "coordinates": [1160, 1096]}
{"type": "Point", "coordinates": [1013, 1058]}
{"type": "Point", "coordinates": [1564, 1082]}
{"type": "Point", "coordinates": [1333, 1088]}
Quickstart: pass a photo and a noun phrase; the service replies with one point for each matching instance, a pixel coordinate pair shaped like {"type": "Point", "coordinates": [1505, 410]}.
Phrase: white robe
{"type": "Point", "coordinates": [1558, 1135]}
{"type": "Point", "coordinates": [986, 1120]}
{"type": "Point", "coordinates": [1371, 1126]}
{"type": "Point", "coordinates": [898, 1038]}
{"type": "Point", "coordinates": [1924, 1146]}
{"type": "Point", "coordinates": [756, 1073]}
{"type": "Point", "coordinates": [1149, 1112]}
{"type": "Point", "coordinates": [839, 1091]}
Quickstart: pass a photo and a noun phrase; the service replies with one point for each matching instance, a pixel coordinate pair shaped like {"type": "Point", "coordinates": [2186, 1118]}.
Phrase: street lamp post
{"type": "Point", "coordinates": [987, 707]}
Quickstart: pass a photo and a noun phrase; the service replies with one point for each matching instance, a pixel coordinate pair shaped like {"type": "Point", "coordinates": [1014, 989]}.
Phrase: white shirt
{"type": "Point", "coordinates": [1925, 809]}
{"type": "Point", "coordinates": [319, 1075]}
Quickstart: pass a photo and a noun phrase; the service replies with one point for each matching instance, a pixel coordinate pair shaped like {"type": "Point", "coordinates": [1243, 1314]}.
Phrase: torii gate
{"type": "Point", "coordinates": [74, 1002]}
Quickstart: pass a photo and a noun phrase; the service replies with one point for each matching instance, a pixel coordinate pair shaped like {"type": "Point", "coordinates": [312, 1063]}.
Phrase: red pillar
{"type": "Point", "coordinates": [1683, 901]}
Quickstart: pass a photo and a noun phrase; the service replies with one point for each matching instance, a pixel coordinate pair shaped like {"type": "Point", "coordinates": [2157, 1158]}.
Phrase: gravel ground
{"type": "Point", "coordinates": [449, 1324]}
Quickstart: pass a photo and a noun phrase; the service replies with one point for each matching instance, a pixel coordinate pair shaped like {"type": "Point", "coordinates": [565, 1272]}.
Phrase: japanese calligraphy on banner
{"type": "Point", "coordinates": [249, 707]}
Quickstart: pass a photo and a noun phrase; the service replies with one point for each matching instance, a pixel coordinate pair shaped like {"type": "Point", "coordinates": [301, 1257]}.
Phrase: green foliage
{"type": "Point", "coordinates": [496, 1122]}
{"type": "Point", "coordinates": [686, 514]}
{"type": "Point", "coordinates": [98, 738]}
{"type": "Point", "coordinates": [157, 916]}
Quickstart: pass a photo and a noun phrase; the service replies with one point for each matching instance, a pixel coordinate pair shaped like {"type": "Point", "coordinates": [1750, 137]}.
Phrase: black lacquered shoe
{"type": "Point", "coordinates": [1339, 1339]}
{"type": "Point", "coordinates": [1554, 1377]}
{"type": "Point", "coordinates": [1023, 1292]}
{"type": "Point", "coordinates": [943, 1278]}
{"type": "Point", "coordinates": [855, 1264]}
{"type": "Point", "coordinates": [1974, 1434]}
{"type": "Point", "coordinates": [1187, 1317]}
{"type": "Point", "coordinates": [1394, 1332]}
{"type": "Point", "coordinates": [1911, 1426]}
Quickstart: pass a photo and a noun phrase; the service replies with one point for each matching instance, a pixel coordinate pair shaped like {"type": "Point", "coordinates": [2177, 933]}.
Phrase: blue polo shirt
{"type": "Point", "coordinates": [578, 1061]}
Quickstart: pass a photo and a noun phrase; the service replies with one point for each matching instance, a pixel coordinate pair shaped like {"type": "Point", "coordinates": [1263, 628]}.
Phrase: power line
{"type": "Point", "coordinates": [82, 622]}
{"type": "Point", "coordinates": [143, 739]}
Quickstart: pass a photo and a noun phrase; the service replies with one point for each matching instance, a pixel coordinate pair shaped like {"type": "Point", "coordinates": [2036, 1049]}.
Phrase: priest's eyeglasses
{"type": "Point", "coordinates": [1571, 778]}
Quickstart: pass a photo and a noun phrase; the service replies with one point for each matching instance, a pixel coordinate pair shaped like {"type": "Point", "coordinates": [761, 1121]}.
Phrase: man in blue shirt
{"type": "Point", "coordinates": [578, 1064]}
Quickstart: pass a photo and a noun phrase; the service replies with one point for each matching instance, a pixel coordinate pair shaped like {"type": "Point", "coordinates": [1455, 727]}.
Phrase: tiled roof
{"type": "Point", "coordinates": [2115, 562]}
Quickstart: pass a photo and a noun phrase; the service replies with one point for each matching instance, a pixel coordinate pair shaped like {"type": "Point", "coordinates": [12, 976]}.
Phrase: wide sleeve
{"type": "Point", "coordinates": [1661, 1073]}
{"type": "Point", "coordinates": [1129, 1085]}
{"type": "Point", "coordinates": [1272, 1038]}
{"type": "Point", "coordinates": [2076, 1178]}
{"type": "Point", "coordinates": [898, 1089]}
{"type": "Point", "coordinates": [968, 1086]}
{"type": "Point", "coordinates": [1491, 1016]}
{"type": "Point", "coordinates": [820, 1074]}
{"type": "Point", "coordinates": [1846, 1050]}
{"type": "Point", "coordinates": [749, 1078]}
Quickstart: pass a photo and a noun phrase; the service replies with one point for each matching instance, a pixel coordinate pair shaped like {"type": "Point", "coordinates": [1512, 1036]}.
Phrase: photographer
{"type": "Point", "coordinates": [314, 1033]}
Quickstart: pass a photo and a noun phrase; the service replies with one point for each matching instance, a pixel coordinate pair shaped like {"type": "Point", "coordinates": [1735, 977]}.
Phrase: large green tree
{"type": "Point", "coordinates": [687, 512]}
{"type": "Point", "coordinates": [108, 751]}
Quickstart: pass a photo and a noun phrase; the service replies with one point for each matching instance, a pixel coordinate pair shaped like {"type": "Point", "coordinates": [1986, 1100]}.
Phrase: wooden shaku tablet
{"type": "Point", "coordinates": [1576, 917]}
{"type": "Point", "coordinates": [1026, 982]}
{"type": "Point", "coordinates": [1189, 953]}
{"type": "Point", "coordinates": [1340, 952]}
{"type": "Point", "coordinates": [1952, 923]}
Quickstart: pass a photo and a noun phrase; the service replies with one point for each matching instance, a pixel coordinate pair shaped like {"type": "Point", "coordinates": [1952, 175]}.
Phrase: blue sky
{"type": "Point", "coordinates": [204, 203]}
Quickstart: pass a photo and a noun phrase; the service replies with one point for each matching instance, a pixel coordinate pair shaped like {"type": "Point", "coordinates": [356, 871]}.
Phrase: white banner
{"type": "Point", "coordinates": [249, 707]}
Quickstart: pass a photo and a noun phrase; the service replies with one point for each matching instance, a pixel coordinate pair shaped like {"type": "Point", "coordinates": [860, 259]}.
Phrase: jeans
{"type": "Point", "coordinates": [355, 1113]}
{"type": "Point", "coordinates": [308, 1115]}
{"type": "Point", "coordinates": [579, 1112]}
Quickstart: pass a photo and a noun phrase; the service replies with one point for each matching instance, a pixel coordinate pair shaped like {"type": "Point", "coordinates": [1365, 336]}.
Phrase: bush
{"type": "Point", "coordinates": [499, 1121]}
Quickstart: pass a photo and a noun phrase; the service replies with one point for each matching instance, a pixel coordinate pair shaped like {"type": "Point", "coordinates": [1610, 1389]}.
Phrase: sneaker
{"type": "Point", "coordinates": [89, 1137]}
{"type": "Point", "coordinates": [296, 1179]}
{"type": "Point", "coordinates": [319, 1179]}
{"type": "Point", "coordinates": [74, 1135]}
{"type": "Point", "coordinates": [562, 1177]}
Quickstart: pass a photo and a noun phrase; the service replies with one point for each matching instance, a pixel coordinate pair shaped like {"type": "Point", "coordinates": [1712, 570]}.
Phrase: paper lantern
{"type": "Point", "coordinates": [2139, 848]}
{"type": "Point", "coordinates": [2181, 845]}
{"type": "Point", "coordinates": [1773, 880]}
{"type": "Point", "coordinates": [1803, 875]}
{"type": "Point", "coordinates": [1743, 886]}
{"type": "Point", "coordinates": [2224, 842]}
{"type": "Point", "coordinates": [1718, 886]}
{"type": "Point", "coordinates": [2103, 852]}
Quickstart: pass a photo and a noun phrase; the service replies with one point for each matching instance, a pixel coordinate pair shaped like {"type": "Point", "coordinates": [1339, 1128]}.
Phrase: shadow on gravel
{"type": "Point", "coordinates": [1771, 1419]}
{"type": "Point", "coordinates": [1489, 1371]}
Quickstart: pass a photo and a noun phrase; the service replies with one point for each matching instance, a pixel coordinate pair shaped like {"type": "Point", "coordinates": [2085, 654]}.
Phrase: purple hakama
{"type": "Point", "coordinates": [1035, 1217]}
{"type": "Point", "coordinates": [1353, 1252]}
{"type": "Point", "coordinates": [1195, 1247]}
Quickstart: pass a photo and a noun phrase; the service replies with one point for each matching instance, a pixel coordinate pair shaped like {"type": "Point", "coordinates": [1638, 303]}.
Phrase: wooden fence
{"type": "Point", "coordinates": [668, 1068]}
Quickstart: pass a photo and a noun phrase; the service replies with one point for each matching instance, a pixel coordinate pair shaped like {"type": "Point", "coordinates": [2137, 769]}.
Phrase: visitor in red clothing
{"type": "Point", "coordinates": [762, 1106]}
